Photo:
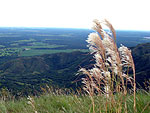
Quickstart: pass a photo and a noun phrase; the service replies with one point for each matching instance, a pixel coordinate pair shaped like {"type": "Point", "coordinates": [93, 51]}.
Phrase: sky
{"type": "Point", "coordinates": [123, 14]}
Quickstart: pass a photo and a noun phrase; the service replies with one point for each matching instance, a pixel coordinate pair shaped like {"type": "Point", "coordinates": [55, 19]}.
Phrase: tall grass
{"type": "Point", "coordinates": [110, 75]}
{"type": "Point", "coordinates": [62, 103]}
{"type": "Point", "coordinates": [106, 84]}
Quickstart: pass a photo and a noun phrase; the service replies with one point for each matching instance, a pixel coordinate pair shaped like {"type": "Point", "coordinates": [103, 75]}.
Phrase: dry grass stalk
{"type": "Point", "coordinates": [108, 24]}
{"type": "Point", "coordinates": [98, 28]}
{"type": "Point", "coordinates": [112, 64]}
{"type": "Point", "coordinates": [32, 103]}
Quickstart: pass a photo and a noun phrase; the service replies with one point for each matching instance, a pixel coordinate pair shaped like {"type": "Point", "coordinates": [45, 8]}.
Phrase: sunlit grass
{"type": "Point", "coordinates": [52, 103]}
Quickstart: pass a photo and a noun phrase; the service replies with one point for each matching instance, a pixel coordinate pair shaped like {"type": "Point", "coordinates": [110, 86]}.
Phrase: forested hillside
{"type": "Point", "coordinates": [27, 73]}
{"type": "Point", "coordinates": [141, 56]}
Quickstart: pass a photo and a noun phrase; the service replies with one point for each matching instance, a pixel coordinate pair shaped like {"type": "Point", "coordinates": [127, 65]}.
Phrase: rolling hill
{"type": "Point", "coordinates": [27, 73]}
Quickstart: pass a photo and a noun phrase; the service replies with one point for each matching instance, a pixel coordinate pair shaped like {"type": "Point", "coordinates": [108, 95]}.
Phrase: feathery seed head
{"type": "Point", "coordinates": [125, 55]}
{"type": "Point", "coordinates": [92, 37]}
{"type": "Point", "coordinates": [110, 61]}
{"type": "Point", "coordinates": [96, 72]}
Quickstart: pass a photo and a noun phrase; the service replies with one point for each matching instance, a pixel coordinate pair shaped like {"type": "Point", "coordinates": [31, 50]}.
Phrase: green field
{"type": "Point", "coordinates": [1, 46]}
{"type": "Point", "coordinates": [33, 52]}
{"type": "Point", "coordinates": [22, 41]}
{"type": "Point", "coordinates": [42, 45]}
{"type": "Point", "coordinates": [9, 51]}
{"type": "Point", "coordinates": [58, 35]}
{"type": "Point", "coordinates": [33, 47]}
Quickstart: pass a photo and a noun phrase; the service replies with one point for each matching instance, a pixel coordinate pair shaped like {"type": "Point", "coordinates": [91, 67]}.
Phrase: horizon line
{"type": "Point", "coordinates": [68, 28]}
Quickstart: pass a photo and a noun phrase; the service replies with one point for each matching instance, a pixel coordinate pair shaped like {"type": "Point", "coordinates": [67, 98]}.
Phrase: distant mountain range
{"type": "Point", "coordinates": [28, 74]}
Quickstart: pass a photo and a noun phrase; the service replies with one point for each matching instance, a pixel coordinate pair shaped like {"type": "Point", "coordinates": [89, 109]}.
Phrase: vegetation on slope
{"type": "Point", "coordinates": [61, 103]}
{"type": "Point", "coordinates": [141, 56]}
{"type": "Point", "coordinates": [27, 73]}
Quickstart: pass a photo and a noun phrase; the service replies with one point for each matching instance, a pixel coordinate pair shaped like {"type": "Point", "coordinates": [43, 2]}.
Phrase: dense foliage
{"type": "Point", "coordinates": [27, 73]}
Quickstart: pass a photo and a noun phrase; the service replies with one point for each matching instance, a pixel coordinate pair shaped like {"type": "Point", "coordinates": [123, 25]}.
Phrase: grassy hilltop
{"type": "Point", "coordinates": [62, 103]}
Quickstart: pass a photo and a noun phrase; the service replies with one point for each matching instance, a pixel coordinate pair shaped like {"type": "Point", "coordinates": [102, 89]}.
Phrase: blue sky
{"type": "Point", "coordinates": [123, 14]}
